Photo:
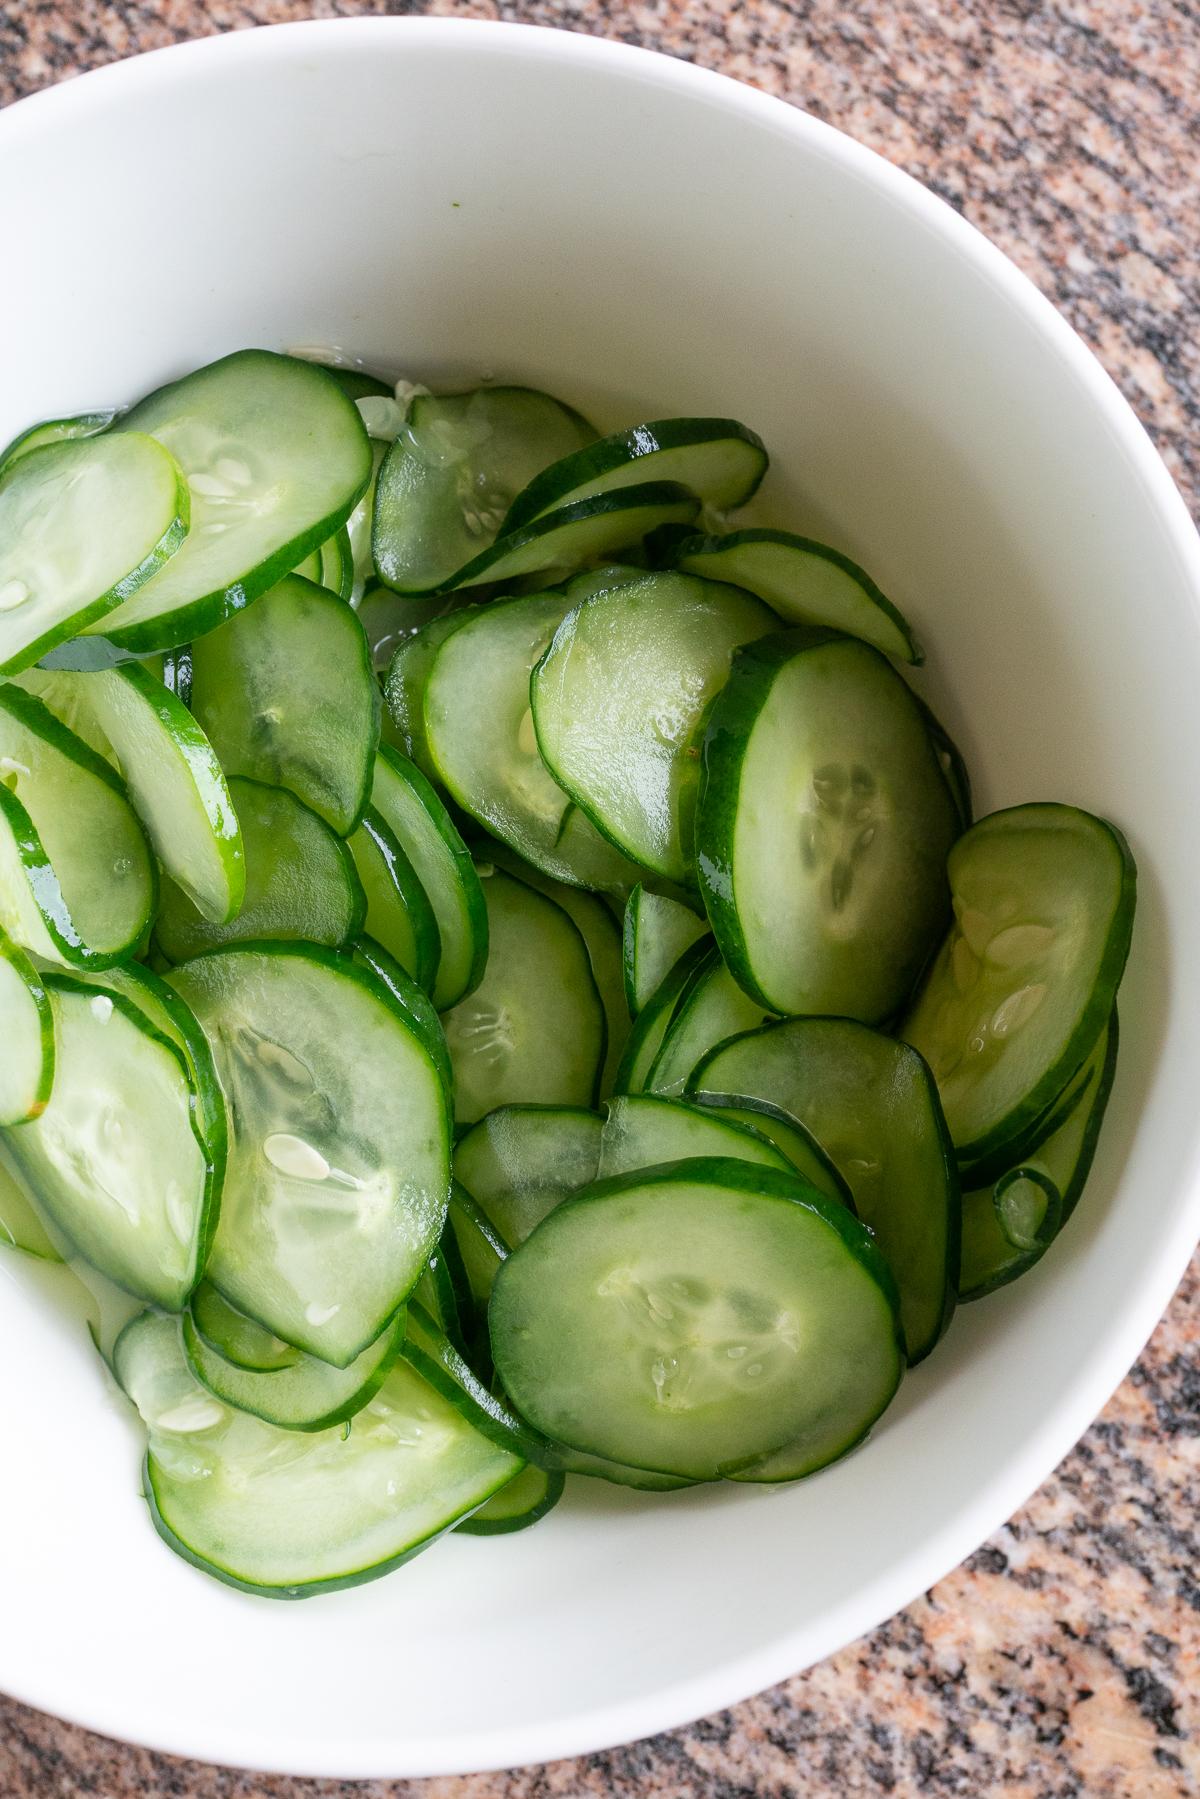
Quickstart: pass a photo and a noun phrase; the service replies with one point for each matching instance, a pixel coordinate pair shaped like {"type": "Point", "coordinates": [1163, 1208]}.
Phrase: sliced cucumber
{"type": "Point", "coordinates": [331, 565]}
{"type": "Point", "coordinates": [404, 686]}
{"type": "Point", "coordinates": [526, 1499]}
{"type": "Point", "coordinates": [285, 1514]}
{"type": "Point", "coordinates": [480, 1246]}
{"type": "Point", "coordinates": [580, 531]}
{"type": "Point", "coordinates": [53, 431]}
{"type": "Point", "coordinates": [533, 1030]}
{"type": "Point", "coordinates": [711, 1007]}
{"type": "Point", "coordinates": [717, 459]}
{"type": "Point", "coordinates": [952, 765]}
{"type": "Point", "coordinates": [275, 458]}
{"type": "Point", "coordinates": [305, 1395]}
{"type": "Point", "coordinates": [618, 698]}
{"type": "Point", "coordinates": [83, 526]}
{"type": "Point", "coordinates": [613, 1325]}
{"type": "Point", "coordinates": [822, 828]}
{"type": "Point", "coordinates": [300, 882]}
{"type": "Point", "coordinates": [355, 383]}
{"type": "Point", "coordinates": [240, 1341]}
{"type": "Point", "coordinates": [1025, 981]}
{"type": "Point", "coordinates": [62, 692]}
{"type": "Point", "coordinates": [452, 473]}
{"type": "Point", "coordinates": [519, 1162]}
{"type": "Point", "coordinates": [872, 1105]}
{"type": "Point", "coordinates": [27, 1067]}
{"type": "Point", "coordinates": [436, 1294]}
{"type": "Point", "coordinates": [413, 1002]}
{"type": "Point", "coordinates": [653, 1021]}
{"type": "Point", "coordinates": [287, 695]}
{"type": "Point", "coordinates": [805, 582]}
{"type": "Point", "coordinates": [399, 915]}
{"type": "Point", "coordinates": [655, 933]}
{"type": "Point", "coordinates": [481, 742]}
{"type": "Point", "coordinates": [598, 1467]}
{"type": "Point", "coordinates": [339, 1166]}
{"type": "Point", "coordinates": [643, 1131]}
{"type": "Point", "coordinates": [174, 780]}
{"type": "Point", "coordinates": [442, 864]}
{"type": "Point", "coordinates": [793, 1140]}
{"type": "Point", "coordinates": [359, 527]}
{"type": "Point", "coordinates": [77, 882]}
{"type": "Point", "coordinates": [115, 1158]}
{"type": "Point", "coordinates": [21, 1223]}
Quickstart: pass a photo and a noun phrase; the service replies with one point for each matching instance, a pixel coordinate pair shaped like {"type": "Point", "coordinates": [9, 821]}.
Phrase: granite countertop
{"type": "Point", "coordinates": [1063, 1660]}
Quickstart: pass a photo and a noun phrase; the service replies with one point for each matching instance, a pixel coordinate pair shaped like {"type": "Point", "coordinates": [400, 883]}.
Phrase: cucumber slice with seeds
{"type": "Point", "coordinates": [579, 532]}
{"type": "Point", "coordinates": [399, 916]}
{"type": "Point", "coordinates": [1025, 981]}
{"type": "Point", "coordinates": [521, 1161]}
{"type": "Point", "coordinates": [717, 459]}
{"type": "Point", "coordinates": [711, 1007]}
{"type": "Point", "coordinates": [53, 431]}
{"type": "Point", "coordinates": [287, 695]}
{"type": "Point", "coordinates": [643, 1131]}
{"type": "Point", "coordinates": [27, 1069]}
{"type": "Point", "coordinates": [655, 932]}
{"type": "Point", "coordinates": [83, 526]}
{"type": "Point", "coordinates": [618, 698]}
{"type": "Point", "coordinates": [275, 458]}
{"type": "Point", "coordinates": [306, 1394]}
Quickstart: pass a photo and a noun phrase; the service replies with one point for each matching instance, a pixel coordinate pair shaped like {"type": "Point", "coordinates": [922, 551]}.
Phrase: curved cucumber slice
{"type": "Point", "coordinates": [534, 1027]}
{"type": "Point", "coordinates": [526, 1498]}
{"type": "Point", "coordinates": [581, 531]}
{"type": "Point", "coordinates": [175, 783]}
{"type": "Point", "coordinates": [793, 1140]}
{"type": "Point", "coordinates": [481, 742]}
{"type": "Point", "coordinates": [21, 1224]}
{"type": "Point", "coordinates": [612, 1326]}
{"type": "Point", "coordinates": [115, 1158]}
{"type": "Point", "coordinates": [872, 1105]}
{"type": "Point", "coordinates": [359, 526]}
{"type": "Point", "coordinates": [618, 699]}
{"type": "Point", "coordinates": [519, 1162]}
{"type": "Point", "coordinates": [285, 1514]}
{"type": "Point", "coordinates": [238, 1340]}
{"type": "Point", "coordinates": [331, 565]}
{"type": "Point", "coordinates": [275, 458]}
{"type": "Point", "coordinates": [77, 882]}
{"type": "Point", "coordinates": [404, 685]}
{"type": "Point", "coordinates": [643, 1131]}
{"type": "Point", "coordinates": [953, 767]}
{"type": "Point", "coordinates": [61, 691]}
{"type": "Point", "coordinates": [480, 1246]}
{"type": "Point", "coordinates": [300, 882]}
{"type": "Point", "coordinates": [288, 696]}
{"type": "Point", "coordinates": [442, 864]}
{"type": "Point", "coordinates": [711, 1007]}
{"type": "Point", "coordinates": [717, 459]}
{"type": "Point", "coordinates": [399, 916]}
{"type": "Point", "coordinates": [412, 1001]}
{"type": "Point", "coordinates": [436, 1294]}
{"type": "Point", "coordinates": [452, 473]}
{"type": "Point", "coordinates": [53, 431]}
{"type": "Point", "coordinates": [655, 934]}
{"type": "Point", "coordinates": [805, 582]}
{"type": "Point", "coordinates": [653, 1021]}
{"type": "Point", "coordinates": [1024, 983]}
{"type": "Point", "coordinates": [339, 1166]}
{"type": "Point", "coordinates": [822, 828]}
{"type": "Point", "coordinates": [305, 1395]}
{"type": "Point", "coordinates": [83, 526]}
{"type": "Point", "coordinates": [27, 1067]}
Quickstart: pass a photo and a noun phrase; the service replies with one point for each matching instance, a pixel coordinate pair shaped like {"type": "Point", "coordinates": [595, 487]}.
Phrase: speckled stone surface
{"type": "Point", "coordinates": [1063, 1660]}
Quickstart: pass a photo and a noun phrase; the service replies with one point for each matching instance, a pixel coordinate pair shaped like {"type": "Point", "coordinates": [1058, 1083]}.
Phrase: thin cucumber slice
{"type": "Point", "coordinates": [331, 565]}
{"type": "Point", "coordinates": [872, 1105]}
{"type": "Point", "coordinates": [21, 1224]}
{"type": "Point", "coordinates": [308, 1395]}
{"type": "Point", "coordinates": [480, 739]}
{"type": "Point", "coordinates": [643, 1131]}
{"type": "Point", "coordinates": [1025, 981]}
{"type": "Point", "coordinates": [301, 882]}
{"type": "Point", "coordinates": [480, 1246]}
{"type": "Point", "coordinates": [77, 881]}
{"type": "Point", "coordinates": [423, 828]}
{"type": "Point", "coordinates": [436, 1295]}
{"type": "Point", "coordinates": [413, 1002]}
{"type": "Point", "coordinates": [452, 473]}
{"type": "Point", "coordinates": [822, 828]}
{"type": "Point", "coordinates": [115, 1158]}
{"type": "Point", "coordinates": [286, 1514]}
{"type": "Point", "coordinates": [53, 431]}
{"type": "Point", "coordinates": [388, 620]}
{"type": "Point", "coordinates": [238, 1340]}
{"type": "Point", "coordinates": [519, 1162]}
{"type": "Point", "coordinates": [790, 1137]}
{"type": "Point", "coordinates": [399, 916]}
{"type": "Point", "coordinates": [275, 459]}
{"type": "Point", "coordinates": [356, 384]}
{"type": "Point", "coordinates": [83, 526]}
{"type": "Point", "coordinates": [434, 1356]}
{"type": "Point", "coordinates": [598, 1467]}
{"type": "Point", "coordinates": [717, 459]}
{"type": "Point", "coordinates": [526, 1499]}
{"type": "Point", "coordinates": [805, 582]}
{"type": "Point", "coordinates": [953, 767]}
{"type": "Point", "coordinates": [404, 685]}
{"type": "Point", "coordinates": [66, 696]}
{"type": "Point", "coordinates": [287, 695]}
{"type": "Point", "coordinates": [597, 927]}
{"type": "Point", "coordinates": [27, 1067]}
{"type": "Point", "coordinates": [653, 1021]}
{"type": "Point", "coordinates": [655, 933]}
{"type": "Point", "coordinates": [175, 784]}
{"type": "Point", "coordinates": [580, 531]}
{"type": "Point", "coordinates": [711, 1008]}
{"type": "Point", "coordinates": [533, 1029]}
{"type": "Point", "coordinates": [613, 1325]}
{"type": "Point", "coordinates": [618, 699]}
{"type": "Point", "coordinates": [359, 527]}
{"type": "Point", "coordinates": [339, 1164]}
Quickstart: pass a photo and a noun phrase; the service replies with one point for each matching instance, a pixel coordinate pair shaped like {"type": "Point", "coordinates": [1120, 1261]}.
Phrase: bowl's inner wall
{"type": "Point", "coordinates": [642, 246]}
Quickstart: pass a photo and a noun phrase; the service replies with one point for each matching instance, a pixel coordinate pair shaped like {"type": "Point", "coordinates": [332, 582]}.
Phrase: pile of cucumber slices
{"type": "Point", "coordinates": [499, 978]}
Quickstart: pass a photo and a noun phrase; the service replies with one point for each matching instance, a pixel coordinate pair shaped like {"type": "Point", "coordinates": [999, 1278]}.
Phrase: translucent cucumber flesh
{"type": "Point", "coordinates": [306, 1394]}
{"type": "Point", "coordinates": [710, 1009]}
{"type": "Point", "coordinates": [21, 1223]}
{"type": "Point", "coordinates": [519, 1162]}
{"type": "Point", "coordinates": [657, 930]}
{"type": "Point", "coordinates": [399, 916]}
{"type": "Point", "coordinates": [27, 1066]}
{"type": "Point", "coordinates": [642, 1131]}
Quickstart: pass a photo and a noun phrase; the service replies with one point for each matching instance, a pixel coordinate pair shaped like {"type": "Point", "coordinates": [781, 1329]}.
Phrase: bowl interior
{"type": "Point", "coordinates": [454, 201]}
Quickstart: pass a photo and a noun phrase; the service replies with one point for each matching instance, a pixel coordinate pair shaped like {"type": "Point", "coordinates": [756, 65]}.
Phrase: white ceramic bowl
{"type": "Point", "coordinates": [643, 238]}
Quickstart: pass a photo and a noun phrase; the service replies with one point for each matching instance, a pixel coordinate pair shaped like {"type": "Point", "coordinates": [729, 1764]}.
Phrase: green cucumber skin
{"type": "Point", "coordinates": [475, 1526]}
{"type": "Point", "coordinates": [412, 1002]}
{"type": "Point", "coordinates": [339, 1414]}
{"type": "Point", "coordinates": [410, 895]}
{"type": "Point", "coordinates": [741, 1102]}
{"type": "Point", "coordinates": [51, 431]}
{"type": "Point", "coordinates": [655, 1016]}
{"type": "Point", "coordinates": [956, 774]}
{"type": "Point", "coordinates": [621, 499]}
{"type": "Point", "coordinates": [12, 952]}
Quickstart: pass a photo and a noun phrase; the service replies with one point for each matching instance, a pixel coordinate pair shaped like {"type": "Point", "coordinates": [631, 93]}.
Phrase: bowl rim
{"type": "Point", "coordinates": [678, 1702]}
